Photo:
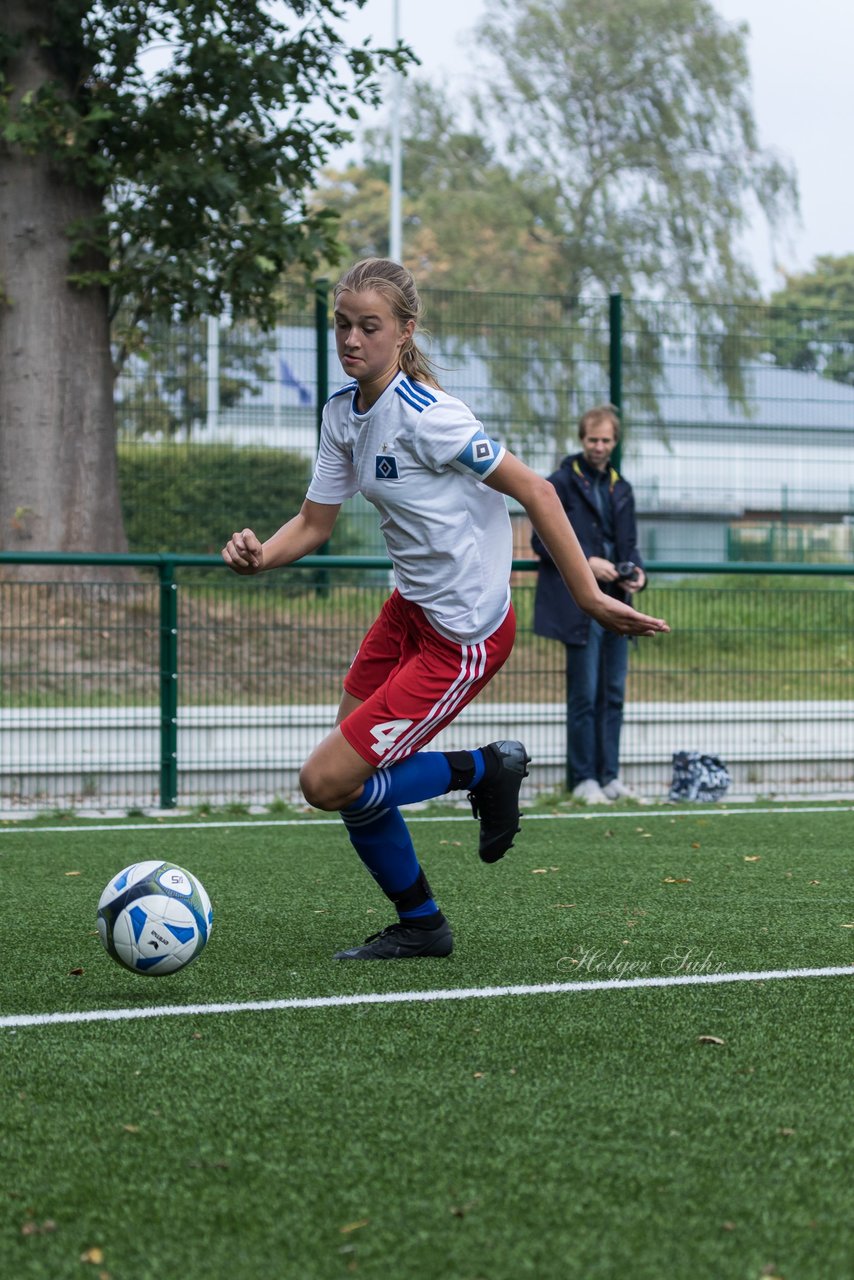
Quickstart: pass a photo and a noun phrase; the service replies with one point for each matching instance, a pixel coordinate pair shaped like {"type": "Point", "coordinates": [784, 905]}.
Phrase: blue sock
{"type": "Point", "coordinates": [381, 838]}
{"type": "Point", "coordinates": [420, 777]}
{"type": "Point", "coordinates": [376, 827]}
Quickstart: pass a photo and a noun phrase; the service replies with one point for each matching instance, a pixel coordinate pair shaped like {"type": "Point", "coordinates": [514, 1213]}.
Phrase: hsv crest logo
{"type": "Point", "coordinates": [386, 467]}
{"type": "Point", "coordinates": [483, 451]}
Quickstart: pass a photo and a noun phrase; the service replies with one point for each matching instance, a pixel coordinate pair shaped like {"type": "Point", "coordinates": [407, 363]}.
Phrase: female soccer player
{"type": "Point", "coordinates": [439, 482]}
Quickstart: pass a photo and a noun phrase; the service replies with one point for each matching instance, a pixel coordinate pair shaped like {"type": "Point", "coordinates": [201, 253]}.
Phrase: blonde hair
{"type": "Point", "coordinates": [596, 416]}
{"type": "Point", "coordinates": [397, 286]}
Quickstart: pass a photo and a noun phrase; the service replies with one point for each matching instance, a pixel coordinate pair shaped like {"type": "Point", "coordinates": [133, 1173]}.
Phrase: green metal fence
{"type": "Point", "coordinates": [166, 681]}
{"type": "Point", "coordinates": [739, 420]}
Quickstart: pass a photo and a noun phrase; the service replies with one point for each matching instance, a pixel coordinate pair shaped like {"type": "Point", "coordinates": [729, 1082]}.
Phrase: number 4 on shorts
{"type": "Point", "coordinates": [386, 735]}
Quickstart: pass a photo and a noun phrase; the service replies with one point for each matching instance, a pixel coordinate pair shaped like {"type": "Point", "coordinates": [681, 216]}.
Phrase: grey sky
{"type": "Point", "coordinates": [803, 89]}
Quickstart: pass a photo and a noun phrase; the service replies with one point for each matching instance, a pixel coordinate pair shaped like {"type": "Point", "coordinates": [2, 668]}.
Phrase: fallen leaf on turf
{"type": "Point", "coordinates": [460, 1210]}
{"type": "Point", "coordinates": [568, 905]}
{"type": "Point", "coordinates": [728, 1226]}
{"type": "Point", "coordinates": [539, 871]}
{"type": "Point", "coordinates": [846, 926]}
{"type": "Point", "coordinates": [676, 880]}
{"type": "Point", "coordinates": [74, 973]}
{"type": "Point", "coordinates": [695, 844]}
{"type": "Point", "coordinates": [786, 1133]}
{"type": "Point", "coordinates": [710, 1040]}
{"type": "Point", "coordinates": [353, 1226]}
{"type": "Point", "coordinates": [478, 1075]}
{"type": "Point", "coordinates": [131, 1128]}
{"type": "Point", "coordinates": [753, 857]}
{"type": "Point", "coordinates": [74, 873]}
{"type": "Point", "coordinates": [815, 882]}
{"type": "Point", "coordinates": [93, 1255]}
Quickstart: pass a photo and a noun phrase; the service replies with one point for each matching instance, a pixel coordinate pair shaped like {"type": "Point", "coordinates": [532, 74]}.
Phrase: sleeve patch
{"type": "Point", "coordinates": [480, 455]}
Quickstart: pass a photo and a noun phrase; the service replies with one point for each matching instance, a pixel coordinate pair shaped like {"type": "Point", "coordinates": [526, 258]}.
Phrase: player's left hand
{"type": "Point", "coordinates": [626, 621]}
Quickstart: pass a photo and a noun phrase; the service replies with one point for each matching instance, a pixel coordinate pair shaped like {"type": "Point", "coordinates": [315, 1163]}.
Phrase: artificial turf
{"type": "Point", "coordinates": [653, 1132]}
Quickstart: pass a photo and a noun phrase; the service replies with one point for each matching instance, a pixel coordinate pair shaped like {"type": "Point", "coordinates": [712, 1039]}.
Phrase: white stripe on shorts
{"type": "Point", "coordinates": [472, 667]}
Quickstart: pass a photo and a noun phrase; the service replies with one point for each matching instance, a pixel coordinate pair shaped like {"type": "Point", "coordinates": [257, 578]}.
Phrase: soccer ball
{"type": "Point", "coordinates": [154, 917]}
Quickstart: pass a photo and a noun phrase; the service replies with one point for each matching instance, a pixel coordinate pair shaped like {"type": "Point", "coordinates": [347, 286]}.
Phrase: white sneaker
{"type": "Point", "coordinates": [590, 792]}
{"type": "Point", "coordinates": [617, 790]}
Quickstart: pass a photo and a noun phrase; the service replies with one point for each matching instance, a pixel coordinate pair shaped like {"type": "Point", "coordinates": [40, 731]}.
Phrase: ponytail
{"type": "Point", "coordinates": [416, 365]}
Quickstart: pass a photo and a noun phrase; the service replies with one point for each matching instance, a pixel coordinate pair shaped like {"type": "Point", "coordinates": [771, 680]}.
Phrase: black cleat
{"type": "Point", "coordinates": [495, 799]}
{"type": "Point", "coordinates": [402, 942]}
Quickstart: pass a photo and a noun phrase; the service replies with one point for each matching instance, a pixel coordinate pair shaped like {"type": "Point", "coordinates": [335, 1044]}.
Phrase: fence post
{"type": "Point", "coordinates": [168, 685]}
{"type": "Point", "coordinates": [615, 362]}
{"type": "Point", "coordinates": [321, 344]}
{"type": "Point", "coordinates": [321, 335]}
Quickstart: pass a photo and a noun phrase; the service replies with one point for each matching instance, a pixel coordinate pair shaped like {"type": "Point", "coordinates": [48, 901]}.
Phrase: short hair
{"type": "Point", "coordinates": [596, 416]}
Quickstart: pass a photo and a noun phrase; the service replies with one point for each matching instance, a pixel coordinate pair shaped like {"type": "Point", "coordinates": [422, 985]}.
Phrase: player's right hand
{"type": "Point", "coordinates": [243, 553]}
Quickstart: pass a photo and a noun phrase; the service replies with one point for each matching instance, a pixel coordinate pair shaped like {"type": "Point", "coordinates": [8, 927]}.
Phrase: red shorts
{"type": "Point", "coordinates": [413, 682]}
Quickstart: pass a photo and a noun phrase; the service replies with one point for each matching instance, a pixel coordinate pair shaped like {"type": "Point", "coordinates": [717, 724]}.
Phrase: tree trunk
{"type": "Point", "coordinates": [58, 466]}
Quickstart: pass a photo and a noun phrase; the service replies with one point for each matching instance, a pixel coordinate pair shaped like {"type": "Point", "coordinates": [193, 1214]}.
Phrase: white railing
{"type": "Point", "coordinates": [110, 756]}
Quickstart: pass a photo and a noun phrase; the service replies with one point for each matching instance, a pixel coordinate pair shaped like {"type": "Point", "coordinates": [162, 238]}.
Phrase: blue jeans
{"type": "Point", "coordinates": [595, 684]}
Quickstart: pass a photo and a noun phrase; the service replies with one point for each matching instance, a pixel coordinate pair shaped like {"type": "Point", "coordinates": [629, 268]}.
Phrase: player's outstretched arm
{"type": "Point", "coordinates": [537, 495]}
{"type": "Point", "coordinates": [246, 554]}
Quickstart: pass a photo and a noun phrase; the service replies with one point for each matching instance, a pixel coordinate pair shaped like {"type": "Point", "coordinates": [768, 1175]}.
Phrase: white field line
{"type": "Point", "coordinates": [159, 824]}
{"type": "Point", "coordinates": [419, 997]}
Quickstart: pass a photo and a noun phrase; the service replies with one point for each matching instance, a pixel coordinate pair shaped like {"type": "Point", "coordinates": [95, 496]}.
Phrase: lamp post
{"type": "Point", "coordinates": [395, 232]}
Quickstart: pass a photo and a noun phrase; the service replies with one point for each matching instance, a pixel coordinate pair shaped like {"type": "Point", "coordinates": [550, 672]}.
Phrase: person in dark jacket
{"type": "Point", "coordinates": [600, 506]}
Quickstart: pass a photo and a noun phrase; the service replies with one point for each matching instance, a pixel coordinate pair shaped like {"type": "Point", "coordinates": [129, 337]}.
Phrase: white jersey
{"type": "Point", "coordinates": [419, 456]}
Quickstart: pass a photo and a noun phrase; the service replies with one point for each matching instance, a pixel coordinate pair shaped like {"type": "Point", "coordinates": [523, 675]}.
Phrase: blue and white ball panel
{"type": "Point", "coordinates": [154, 917]}
{"type": "Point", "coordinates": [156, 935]}
{"type": "Point", "coordinates": [129, 877]}
{"type": "Point", "coordinates": [481, 455]}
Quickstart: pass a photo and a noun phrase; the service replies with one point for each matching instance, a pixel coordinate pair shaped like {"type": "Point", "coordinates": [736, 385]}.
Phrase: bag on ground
{"type": "Point", "coordinates": [698, 777]}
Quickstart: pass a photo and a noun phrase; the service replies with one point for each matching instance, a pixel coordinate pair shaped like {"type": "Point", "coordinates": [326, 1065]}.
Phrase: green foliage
{"type": "Point", "coordinates": [612, 148]}
{"type": "Point", "coordinates": [468, 222]}
{"type": "Point", "coordinates": [812, 320]}
{"type": "Point", "coordinates": [168, 390]}
{"type": "Point", "coordinates": [188, 499]}
{"type": "Point", "coordinates": [638, 112]}
{"type": "Point", "coordinates": [203, 125]}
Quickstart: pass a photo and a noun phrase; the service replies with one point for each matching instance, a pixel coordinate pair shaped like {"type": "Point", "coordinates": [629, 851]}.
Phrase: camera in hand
{"type": "Point", "coordinates": [626, 571]}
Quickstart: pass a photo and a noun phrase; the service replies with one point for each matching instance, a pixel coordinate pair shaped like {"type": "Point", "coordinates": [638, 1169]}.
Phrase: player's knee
{"type": "Point", "coordinates": [320, 792]}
